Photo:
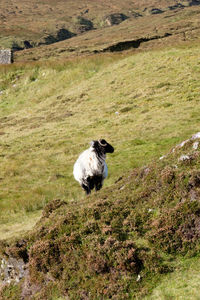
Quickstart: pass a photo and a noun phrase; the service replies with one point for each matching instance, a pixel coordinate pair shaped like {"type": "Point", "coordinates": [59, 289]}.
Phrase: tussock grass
{"type": "Point", "coordinates": [143, 104]}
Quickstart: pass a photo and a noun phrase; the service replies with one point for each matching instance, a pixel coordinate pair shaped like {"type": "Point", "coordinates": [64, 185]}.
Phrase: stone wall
{"type": "Point", "coordinates": [6, 56]}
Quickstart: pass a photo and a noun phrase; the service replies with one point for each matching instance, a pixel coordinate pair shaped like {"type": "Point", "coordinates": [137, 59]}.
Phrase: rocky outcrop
{"type": "Point", "coordinates": [155, 11]}
{"type": "Point", "coordinates": [6, 56]}
{"type": "Point", "coordinates": [193, 142]}
{"type": "Point", "coordinates": [194, 2]}
{"type": "Point", "coordinates": [178, 5]}
{"type": "Point", "coordinates": [115, 19]}
{"type": "Point", "coordinates": [27, 45]}
{"type": "Point", "coordinates": [12, 270]}
{"type": "Point", "coordinates": [60, 35]}
{"type": "Point", "coordinates": [81, 25]}
{"type": "Point", "coordinates": [125, 45]}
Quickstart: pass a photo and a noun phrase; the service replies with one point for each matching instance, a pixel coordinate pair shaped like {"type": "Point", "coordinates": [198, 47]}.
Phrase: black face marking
{"type": "Point", "coordinates": [102, 147]}
{"type": "Point", "coordinates": [107, 147]}
{"type": "Point", "coordinates": [99, 150]}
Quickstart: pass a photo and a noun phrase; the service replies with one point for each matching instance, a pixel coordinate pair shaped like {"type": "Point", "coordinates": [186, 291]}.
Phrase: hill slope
{"type": "Point", "coordinates": [124, 241]}
{"type": "Point", "coordinates": [142, 110]}
{"type": "Point", "coordinates": [138, 227]}
{"type": "Point", "coordinates": [150, 31]}
{"type": "Point", "coordinates": [116, 243]}
{"type": "Point", "coordinates": [93, 26]}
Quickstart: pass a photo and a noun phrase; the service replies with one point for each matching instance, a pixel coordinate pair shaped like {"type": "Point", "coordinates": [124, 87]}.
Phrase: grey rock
{"type": "Point", "coordinates": [184, 157]}
{"type": "Point", "coordinates": [6, 56]}
{"type": "Point", "coordinates": [195, 145]}
{"type": "Point", "coordinates": [11, 270]}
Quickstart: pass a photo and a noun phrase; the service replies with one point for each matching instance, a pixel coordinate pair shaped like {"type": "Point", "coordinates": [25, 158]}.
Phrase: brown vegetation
{"type": "Point", "coordinates": [74, 28]}
{"type": "Point", "coordinates": [93, 249]}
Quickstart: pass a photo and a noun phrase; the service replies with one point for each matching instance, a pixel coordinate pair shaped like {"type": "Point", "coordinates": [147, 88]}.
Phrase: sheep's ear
{"type": "Point", "coordinates": [103, 142]}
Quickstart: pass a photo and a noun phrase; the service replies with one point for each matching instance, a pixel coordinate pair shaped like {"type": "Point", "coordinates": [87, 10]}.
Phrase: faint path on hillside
{"type": "Point", "coordinates": [17, 228]}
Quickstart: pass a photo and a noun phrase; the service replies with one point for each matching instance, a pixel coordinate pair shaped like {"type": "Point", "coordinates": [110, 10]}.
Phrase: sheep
{"type": "Point", "coordinates": [90, 169]}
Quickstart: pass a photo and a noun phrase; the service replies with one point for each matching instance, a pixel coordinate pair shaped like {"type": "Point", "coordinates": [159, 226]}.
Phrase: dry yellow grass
{"type": "Point", "coordinates": [18, 226]}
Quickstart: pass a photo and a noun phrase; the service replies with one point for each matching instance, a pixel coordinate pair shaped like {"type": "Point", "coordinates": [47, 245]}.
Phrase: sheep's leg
{"type": "Point", "coordinates": [90, 182]}
{"type": "Point", "coordinates": [86, 189]}
{"type": "Point", "coordinates": [98, 186]}
{"type": "Point", "coordinates": [98, 183]}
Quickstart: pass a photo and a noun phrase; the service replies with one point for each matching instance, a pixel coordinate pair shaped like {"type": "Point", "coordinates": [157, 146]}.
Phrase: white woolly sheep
{"type": "Point", "coordinates": [90, 169]}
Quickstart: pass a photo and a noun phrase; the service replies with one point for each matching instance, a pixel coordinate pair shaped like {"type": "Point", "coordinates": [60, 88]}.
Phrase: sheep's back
{"type": "Point", "coordinates": [88, 165]}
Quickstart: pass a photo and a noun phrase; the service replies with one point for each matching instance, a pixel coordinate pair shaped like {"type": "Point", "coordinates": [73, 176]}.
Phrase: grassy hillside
{"type": "Point", "coordinates": [24, 24]}
{"type": "Point", "coordinates": [183, 283]}
{"type": "Point", "coordinates": [150, 31]}
{"type": "Point", "coordinates": [121, 242]}
{"type": "Point", "coordinates": [143, 104]}
{"type": "Point", "coordinates": [46, 29]}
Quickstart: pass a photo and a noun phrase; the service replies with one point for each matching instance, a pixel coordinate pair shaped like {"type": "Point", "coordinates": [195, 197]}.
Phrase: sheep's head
{"type": "Point", "coordinates": [102, 146]}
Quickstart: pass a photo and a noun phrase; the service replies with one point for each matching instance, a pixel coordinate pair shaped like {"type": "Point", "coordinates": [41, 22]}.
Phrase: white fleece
{"type": "Point", "coordinates": [88, 165]}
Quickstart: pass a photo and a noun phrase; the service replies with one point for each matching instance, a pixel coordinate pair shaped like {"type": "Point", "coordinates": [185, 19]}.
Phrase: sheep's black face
{"type": "Point", "coordinates": [106, 147]}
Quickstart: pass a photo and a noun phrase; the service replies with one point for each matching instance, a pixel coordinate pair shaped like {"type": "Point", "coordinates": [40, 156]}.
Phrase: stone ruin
{"type": "Point", "coordinates": [6, 56]}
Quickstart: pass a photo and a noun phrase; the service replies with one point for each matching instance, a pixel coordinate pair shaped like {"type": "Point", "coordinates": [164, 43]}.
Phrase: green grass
{"type": "Point", "coordinates": [143, 104]}
{"type": "Point", "coordinates": [49, 112]}
{"type": "Point", "coordinates": [182, 284]}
